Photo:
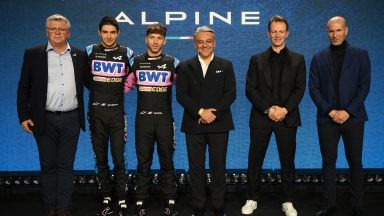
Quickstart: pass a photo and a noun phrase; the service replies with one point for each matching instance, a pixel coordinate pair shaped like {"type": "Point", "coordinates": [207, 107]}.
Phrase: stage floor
{"type": "Point", "coordinates": [28, 202]}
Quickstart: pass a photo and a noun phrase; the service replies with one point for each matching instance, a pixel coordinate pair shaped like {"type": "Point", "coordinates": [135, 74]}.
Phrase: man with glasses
{"type": "Point", "coordinates": [50, 106]}
{"type": "Point", "coordinates": [275, 85]}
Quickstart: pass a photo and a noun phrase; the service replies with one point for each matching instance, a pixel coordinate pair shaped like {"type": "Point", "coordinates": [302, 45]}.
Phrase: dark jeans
{"type": "Point", "coordinates": [352, 135]}
{"type": "Point", "coordinates": [57, 149]}
{"type": "Point", "coordinates": [286, 145]}
{"type": "Point", "coordinates": [217, 149]}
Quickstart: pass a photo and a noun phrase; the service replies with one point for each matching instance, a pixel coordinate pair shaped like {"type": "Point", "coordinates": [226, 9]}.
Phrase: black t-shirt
{"type": "Point", "coordinates": [276, 62]}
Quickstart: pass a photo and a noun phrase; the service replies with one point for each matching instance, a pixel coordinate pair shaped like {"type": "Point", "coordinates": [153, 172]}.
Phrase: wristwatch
{"type": "Point", "coordinates": [266, 111]}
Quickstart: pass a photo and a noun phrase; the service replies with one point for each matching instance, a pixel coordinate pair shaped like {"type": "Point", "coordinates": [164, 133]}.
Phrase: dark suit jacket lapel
{"type": "Point", "coordinates": [76, 69]}
{"type": "Point", "coordinates": [195, 64]}
{"type": "Point", "coordinates": [44, 66]}
{"type": "Point", "coordinates": [347, 61]}
{"type": "Point", "coordinates": [287, 64]}
{"type": "Point", "coordinates": [328, 63]}
{"type": "Point", "coordinates": [74, 60]}
{"type": "Point", "coordinates": [75, 65]}
{"type": "Point", "coordinates": [267, 67]}
{"type": "Point", "coordinates": [212, 67]}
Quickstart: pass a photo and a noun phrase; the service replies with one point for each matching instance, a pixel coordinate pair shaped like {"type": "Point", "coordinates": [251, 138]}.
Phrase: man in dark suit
{"type": "Point", "coordinates": [50, 106]}
{"type": "Point", "coordinates": [275, 85]}
{"type": "Point", "coordinates": [206, 88]}
{"type": "Point", "coordinates": [339, 83]}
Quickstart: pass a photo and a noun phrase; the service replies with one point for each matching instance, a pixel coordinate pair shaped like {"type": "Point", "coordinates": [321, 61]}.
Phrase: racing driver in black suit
{"type": "Point", "coordinates": [153, 75]}
{"type": "Point", "coordinates": [110, 66]}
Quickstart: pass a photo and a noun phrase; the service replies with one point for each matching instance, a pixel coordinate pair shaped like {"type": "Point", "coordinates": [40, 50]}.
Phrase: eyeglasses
{"type": "Point", "coordinates": [60, 30]}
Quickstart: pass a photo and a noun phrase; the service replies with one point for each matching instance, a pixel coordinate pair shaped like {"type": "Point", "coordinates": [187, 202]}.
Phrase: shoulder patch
{"type": "Point", "coordinates": [89, 49]}
{"type": "Point", "coordinates": [130, 53]}
{"type": "Point", "coordinates": [176, 62]}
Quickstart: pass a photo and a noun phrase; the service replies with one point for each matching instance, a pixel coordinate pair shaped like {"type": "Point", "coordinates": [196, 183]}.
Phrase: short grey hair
{"type": "Point", "coordinates": [58, 17]}
{"type": "Point", "coordinates": [204, 29]}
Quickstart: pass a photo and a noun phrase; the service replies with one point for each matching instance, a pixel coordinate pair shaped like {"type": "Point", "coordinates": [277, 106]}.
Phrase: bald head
{"type": "Point", "coordinates": [337, 30]}
{"type": "Point", "coordinates": [337, 19]}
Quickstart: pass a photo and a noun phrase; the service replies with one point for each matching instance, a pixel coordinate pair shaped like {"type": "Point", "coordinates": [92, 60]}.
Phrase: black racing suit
{"type": "Point", "coordinates": [109, 70]}
{"type": "Point", "coordinates": [154, 77]}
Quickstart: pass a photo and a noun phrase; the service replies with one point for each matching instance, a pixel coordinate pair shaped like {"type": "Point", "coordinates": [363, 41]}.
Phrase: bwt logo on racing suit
{"type": "Point", "coordinates": [108, 68]}
{"type": "Point", "coordinates": [153, 77]}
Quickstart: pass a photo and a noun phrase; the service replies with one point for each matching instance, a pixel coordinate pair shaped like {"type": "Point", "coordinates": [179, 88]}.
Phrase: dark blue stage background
{"type": "Point", "coordinates": [23, 26]}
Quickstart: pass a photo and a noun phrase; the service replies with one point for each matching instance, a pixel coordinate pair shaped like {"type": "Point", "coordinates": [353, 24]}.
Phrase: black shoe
{"type": "Point", "coordinates": [326, 211]}
{"type": "Point", "coordinates": [50, 212]}
{"type": "Point", "coordinates": [139, 210]}
{"type": "Point", "coordinates": [358, 211]}
{"type": "Point", "coordinates": [219, 212]}
{"type": "Point", "coordinates": [198, 212]}
{"type": "Point", "coordinates": [170, 210]}
{"type": "Point", "coordinates": [63, 213]}
{"type": "Point", "coordinates": [105, 208]}
{"type": "Point", "coordinates": [123, 211]}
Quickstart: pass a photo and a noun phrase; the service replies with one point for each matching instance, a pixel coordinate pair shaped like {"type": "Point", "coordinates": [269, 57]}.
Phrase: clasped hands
{"type": "Point", "coordinates": [277, 113]}
{"type": "Point", "coordinates": [339, 116]}
{"type": "Point", "coordinates": [207, 116]}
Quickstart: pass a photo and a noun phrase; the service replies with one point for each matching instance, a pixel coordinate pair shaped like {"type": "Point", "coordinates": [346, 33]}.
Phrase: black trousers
{"type": "Point", "coordinates": [217, 149]}
{"type": "Point", "coordinates": [352, 135]}
{"type": "Point", "coordinates": [154, 127]}
{"type": "Point", "coordinates": [108, 125]}
{"type": "Point", "coordinates": [286, 145]}
{"type": "Point", "coordinates": [57, 149]}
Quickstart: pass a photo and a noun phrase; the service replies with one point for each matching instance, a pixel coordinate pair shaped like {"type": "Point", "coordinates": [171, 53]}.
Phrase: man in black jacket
{"type": "Point", "coordinates": [275, 86]}
{"type": "Point", "coordinates": [50, 106]}
{"type": "Point", "coordinates": [339, 83]}
{"type": "Point", "coordinates": [206, 88]}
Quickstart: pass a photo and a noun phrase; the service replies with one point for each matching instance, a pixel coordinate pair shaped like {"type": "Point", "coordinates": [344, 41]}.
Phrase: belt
{"type": "Point", "coordinates": [61, 112]}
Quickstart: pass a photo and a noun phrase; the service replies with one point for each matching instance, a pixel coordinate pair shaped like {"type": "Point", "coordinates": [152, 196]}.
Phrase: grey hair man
{"type": "Point", "coordinates": [206, 88]}
{"type": "Point", "coordinates": [50, 106]}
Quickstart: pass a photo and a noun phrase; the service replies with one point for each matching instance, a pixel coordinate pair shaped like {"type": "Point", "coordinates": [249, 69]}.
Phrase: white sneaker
{"type": "Point", "coordinates": [249, 207]}
{"type": "Point", "coordinates": [288, 209]}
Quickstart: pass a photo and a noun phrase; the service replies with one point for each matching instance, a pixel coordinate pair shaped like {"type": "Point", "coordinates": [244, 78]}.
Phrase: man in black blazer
{"type": "Point", "coordinates": [50, 106]}
{"type": "Point", "coordinates": [206, 88]}
{"type": "Point", "coordinates": [339, 82]}
{"type": "Point", "coordinates": [275, 85]}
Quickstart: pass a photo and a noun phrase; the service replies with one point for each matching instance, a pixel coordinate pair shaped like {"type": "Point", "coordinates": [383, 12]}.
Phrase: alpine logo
{"type": "Point", "coordinates": [245, 17]}
{"type": "Point", "coordinates": [164, 66]}
{"type": "Point", "coordinates": [117, 58]}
